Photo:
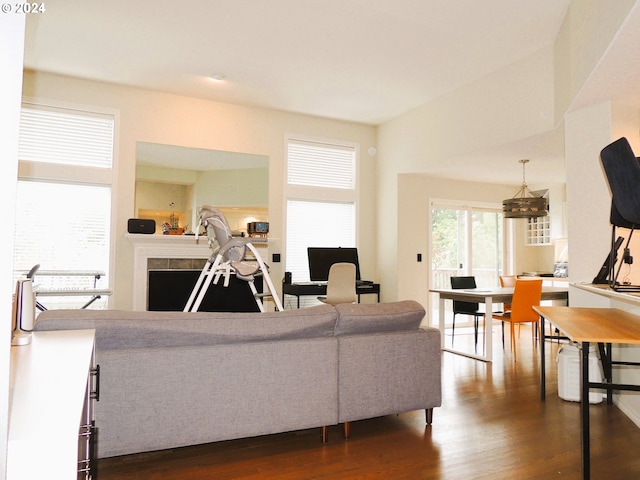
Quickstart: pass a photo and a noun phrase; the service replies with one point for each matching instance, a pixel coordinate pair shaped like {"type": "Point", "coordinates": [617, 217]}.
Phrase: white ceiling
{"type": "Point", "coordinates": [359, 60]}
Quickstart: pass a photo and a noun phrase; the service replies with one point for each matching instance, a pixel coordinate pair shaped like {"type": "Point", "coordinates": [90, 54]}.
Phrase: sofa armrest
{"type": "Point", "coordinates": [388, 373]}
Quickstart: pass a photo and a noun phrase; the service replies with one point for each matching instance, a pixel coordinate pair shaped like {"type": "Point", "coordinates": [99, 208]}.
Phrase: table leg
{"type": "Point", "coordinates": [543, 373]}
{"type": "Point", "coordinates": [488, 328]}
{"type": "Point", "coordinates": [584, 410]}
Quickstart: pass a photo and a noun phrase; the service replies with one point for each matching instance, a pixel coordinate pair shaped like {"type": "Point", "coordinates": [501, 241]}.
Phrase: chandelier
{"type": "Point", "coordinates": [524, 203]}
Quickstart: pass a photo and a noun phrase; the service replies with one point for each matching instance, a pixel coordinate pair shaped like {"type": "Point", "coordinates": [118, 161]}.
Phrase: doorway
{"type": "Point", "coordinates": [466, 240]}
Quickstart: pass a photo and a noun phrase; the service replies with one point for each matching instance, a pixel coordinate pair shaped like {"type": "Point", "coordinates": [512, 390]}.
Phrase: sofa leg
{"type": "Point", "coordinates": [324, 434]}
{"type": "Point", "coordinates": [346, 429]}
{"type": "Point", "coordinates": [429, 415]}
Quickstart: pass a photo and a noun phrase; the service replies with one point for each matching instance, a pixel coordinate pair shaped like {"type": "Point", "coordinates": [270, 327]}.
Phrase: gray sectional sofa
{"type": "Point", "coordinates": [171, 379]}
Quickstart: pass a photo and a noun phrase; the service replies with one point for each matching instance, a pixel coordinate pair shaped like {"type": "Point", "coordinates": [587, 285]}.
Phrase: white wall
{"type": "Point", "coordinates": [148, 116]}
{"type": "Point", "coordinates": [415, 194]}
{"type": "Point", "coordinates": [586, 33]}
{"type": "Point", "coordinates": [515, 102]}
{"type": "Point", "coordinates": [12, 28]}
{"type": "Point", "coordinates": [241, 187]}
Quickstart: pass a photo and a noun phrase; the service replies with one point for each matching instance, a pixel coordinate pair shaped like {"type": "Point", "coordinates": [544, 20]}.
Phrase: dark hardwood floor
{"type": "Point", "coordinates": [492, 425]}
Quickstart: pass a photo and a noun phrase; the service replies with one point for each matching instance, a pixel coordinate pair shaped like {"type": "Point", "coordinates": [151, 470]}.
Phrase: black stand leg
{"type": "Point", "coordinates": [607, 369]}
{"type": "Point", "coordinates": [584, 410]}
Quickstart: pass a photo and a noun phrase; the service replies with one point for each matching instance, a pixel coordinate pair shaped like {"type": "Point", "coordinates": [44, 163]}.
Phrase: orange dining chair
{"type": "Point", "coordinates": [526, 295]}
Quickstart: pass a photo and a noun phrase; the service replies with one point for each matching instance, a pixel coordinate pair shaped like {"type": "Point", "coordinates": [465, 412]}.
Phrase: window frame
{"type": "Point", "coordinates": [90, 176]}
{"type": "Point", "coordinates": [295, 192]}
{"type": "Point", "coordinates": [304, 192]}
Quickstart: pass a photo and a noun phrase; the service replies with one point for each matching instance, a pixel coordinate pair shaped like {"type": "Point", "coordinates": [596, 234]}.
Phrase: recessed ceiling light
{"type": "Point", "coordinates": [218, 77]}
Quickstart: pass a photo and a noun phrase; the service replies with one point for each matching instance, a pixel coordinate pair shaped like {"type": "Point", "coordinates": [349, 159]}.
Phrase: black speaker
{"type": "Point", "coordinates": [287, 278]}
{"type": "Point", "coordinates": [141, 225]}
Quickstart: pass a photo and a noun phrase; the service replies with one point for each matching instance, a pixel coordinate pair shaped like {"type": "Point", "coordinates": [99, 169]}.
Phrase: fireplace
{"type": "Point", "coordinates": [163, 252]}
{"type": "Point", "coordinates": [165, 269]}
{"type": "Point", "coordinates": [169, 290]}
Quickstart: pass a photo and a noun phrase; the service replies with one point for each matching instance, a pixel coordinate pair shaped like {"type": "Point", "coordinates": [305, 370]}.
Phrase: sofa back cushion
{"type": "Point", "coordinates": [120, 329]}
{"type": "Point", "coordinates": [378, 317]}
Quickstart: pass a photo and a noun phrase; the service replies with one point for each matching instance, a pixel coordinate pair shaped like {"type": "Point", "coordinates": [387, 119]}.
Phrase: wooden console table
{"type": "Point", "coordinates": [604, 326]}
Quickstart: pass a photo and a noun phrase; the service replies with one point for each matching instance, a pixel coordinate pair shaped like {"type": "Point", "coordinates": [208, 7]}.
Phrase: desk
{"type": "Point", "coordinates": [603, 326]}
{"type": "Point", "coordinates": [319, 289]}
{"type": "Point", "coordinates": [488, 297]}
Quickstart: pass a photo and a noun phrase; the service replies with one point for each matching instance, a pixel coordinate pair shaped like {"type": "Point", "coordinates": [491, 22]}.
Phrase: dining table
{"type": "Point", "coordinates": [489, 297]}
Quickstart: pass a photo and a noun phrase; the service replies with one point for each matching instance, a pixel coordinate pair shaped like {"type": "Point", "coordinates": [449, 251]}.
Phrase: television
{"type": "Point", "coordinates": [321, 259]}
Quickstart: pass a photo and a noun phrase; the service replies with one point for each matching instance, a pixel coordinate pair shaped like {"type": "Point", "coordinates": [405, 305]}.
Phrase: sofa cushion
{"type": "Point", "coordinates": [120, 329]}
{"type": "Point", "coordinates": [378, 317]}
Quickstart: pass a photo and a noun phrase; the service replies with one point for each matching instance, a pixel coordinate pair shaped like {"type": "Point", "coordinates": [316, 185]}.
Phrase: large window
{"type": "Point", "coordinates": [63, 204]}
{"type": "Point", "coordinates": [321, 200]}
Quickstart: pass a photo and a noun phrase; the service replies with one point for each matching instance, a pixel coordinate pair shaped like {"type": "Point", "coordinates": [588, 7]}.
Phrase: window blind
{"type": "Point", "coordinates": [321, 165]}
{"type": "Point", "coordinates": [66, 137]}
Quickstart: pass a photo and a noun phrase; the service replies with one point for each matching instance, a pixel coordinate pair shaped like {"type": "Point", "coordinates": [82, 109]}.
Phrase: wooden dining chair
{"type": "Point", "coordinates": [507, 281]}
{"type": "Point", "coordinates": [526, 295]}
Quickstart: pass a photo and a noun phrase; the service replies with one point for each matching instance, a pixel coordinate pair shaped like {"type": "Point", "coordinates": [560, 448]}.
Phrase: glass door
{"type": "Point", "coordinates": [487, 247]}
{"type": "Point", "coordinates": [465, 241]}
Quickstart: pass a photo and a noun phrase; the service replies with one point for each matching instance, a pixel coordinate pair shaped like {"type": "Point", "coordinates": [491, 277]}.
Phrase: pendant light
{"type": "Point", "coordinates": [524, 204]}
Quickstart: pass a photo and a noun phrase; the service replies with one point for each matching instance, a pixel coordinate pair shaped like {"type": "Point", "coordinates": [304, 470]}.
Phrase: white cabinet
{"type": "Point", "coordinates": [538, 231]}
{"type": "Point", "coordinates": [50, 409]}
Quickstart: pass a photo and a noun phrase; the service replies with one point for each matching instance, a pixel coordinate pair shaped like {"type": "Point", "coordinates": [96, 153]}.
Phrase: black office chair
{"type": "Point", "coordinates": [465, 308]}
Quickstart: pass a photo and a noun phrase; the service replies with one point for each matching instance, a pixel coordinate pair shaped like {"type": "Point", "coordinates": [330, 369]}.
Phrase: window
{"type": "Point", "coordinates": [316, 224]}
{"type": "Point", "coordinates": [321, 200]}
{"type": "Point", "coordinates": [63, 203]}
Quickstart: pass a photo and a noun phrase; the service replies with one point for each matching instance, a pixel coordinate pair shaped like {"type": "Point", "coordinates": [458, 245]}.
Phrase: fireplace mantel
{"type": "Point", "coordinates": [160, 246]}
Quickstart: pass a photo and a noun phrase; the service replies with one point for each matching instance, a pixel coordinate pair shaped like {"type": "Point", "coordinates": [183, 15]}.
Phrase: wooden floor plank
{"type": "Point", "coordinates": [492, 425]}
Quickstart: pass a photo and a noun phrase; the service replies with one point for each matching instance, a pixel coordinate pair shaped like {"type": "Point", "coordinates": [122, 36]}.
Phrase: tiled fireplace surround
{"type": "Point", "coordinates": [163, 252]}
